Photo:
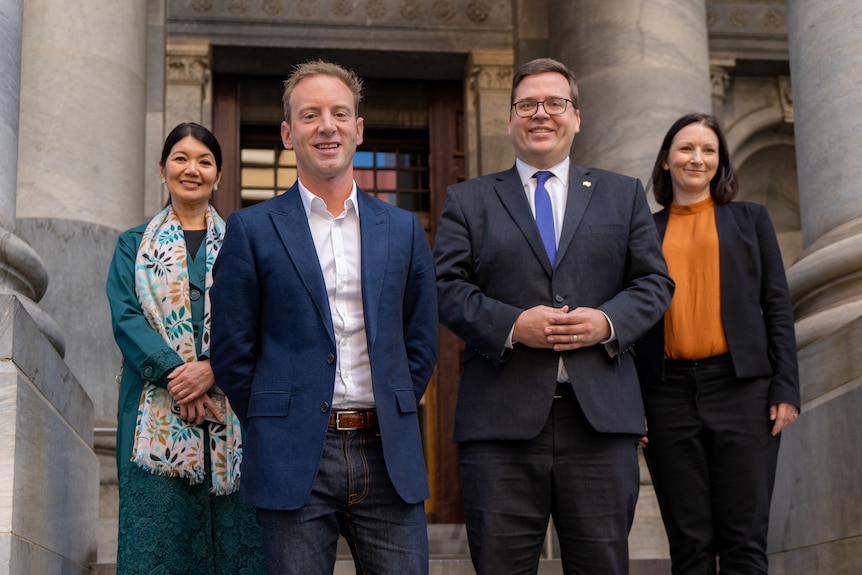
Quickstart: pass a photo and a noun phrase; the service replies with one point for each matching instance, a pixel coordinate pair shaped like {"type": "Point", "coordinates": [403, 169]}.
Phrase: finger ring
{"type": "Point", "coordinates": [574, 338]}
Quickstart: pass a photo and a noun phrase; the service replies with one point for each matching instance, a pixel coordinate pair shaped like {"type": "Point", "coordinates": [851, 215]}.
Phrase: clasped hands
{"type": "Point", "coordinates": [188, 385]}
{"type": "Point", "coordinates": [560, 329]}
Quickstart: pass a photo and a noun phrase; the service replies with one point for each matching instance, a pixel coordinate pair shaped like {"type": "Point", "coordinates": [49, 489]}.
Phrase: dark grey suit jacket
{"type": "Point", "coordinates": [491, 265]}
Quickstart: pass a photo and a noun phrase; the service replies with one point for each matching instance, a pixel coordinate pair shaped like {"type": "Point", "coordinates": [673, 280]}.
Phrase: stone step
{"type": "Point", "coordinates": [463, 566]}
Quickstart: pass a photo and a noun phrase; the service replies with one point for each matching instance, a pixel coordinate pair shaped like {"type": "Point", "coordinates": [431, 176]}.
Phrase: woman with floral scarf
{"type": "Point", "coordinates": [179, 445]}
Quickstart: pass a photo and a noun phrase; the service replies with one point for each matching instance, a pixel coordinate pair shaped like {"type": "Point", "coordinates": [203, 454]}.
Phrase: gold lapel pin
{"type": "Point", "coordinates": [586, 183]}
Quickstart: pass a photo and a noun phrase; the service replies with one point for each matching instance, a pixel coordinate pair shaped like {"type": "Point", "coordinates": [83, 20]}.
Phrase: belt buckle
{"type": "Point", "coordinates": [338, 425]}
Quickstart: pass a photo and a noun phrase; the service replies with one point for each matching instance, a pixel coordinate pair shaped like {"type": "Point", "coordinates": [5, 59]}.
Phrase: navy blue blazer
{"type": "Point", "coordinates": [755, 304]}
{"type": "Point", "coordinates": [491, 265]}
{"type": "Point", "coordinates": [273, 347]}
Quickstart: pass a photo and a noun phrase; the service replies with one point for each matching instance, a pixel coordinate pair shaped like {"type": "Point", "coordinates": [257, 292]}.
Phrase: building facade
{"type": "Point", "coordinates": [91, 88]}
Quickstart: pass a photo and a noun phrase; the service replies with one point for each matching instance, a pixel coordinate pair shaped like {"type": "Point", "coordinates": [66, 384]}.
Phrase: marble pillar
{"type": "Point", "coordinates": [815, 525]}
{"type": "Point", "coordinates": [81, 164]}
{"type": "Point", "coordinates": [488, 92]}
{"type": "Point", "coordinates": [640, 65]}
{"type": "Point", "coordinates": [48, 490]}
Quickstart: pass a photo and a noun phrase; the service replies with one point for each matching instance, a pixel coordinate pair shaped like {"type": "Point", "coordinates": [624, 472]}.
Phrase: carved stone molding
{"type": "Point", "coordinates": [491, 77]}
{"type": "Point", "coordinates": [719, 78]}
{"type": "Point", "coordinates": [785, 96]}
{"type": "Point", "coordinates": [188, 62]}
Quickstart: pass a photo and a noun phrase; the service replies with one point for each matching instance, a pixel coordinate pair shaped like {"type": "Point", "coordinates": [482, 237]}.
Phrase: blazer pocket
{"type": "Point", "coordinates": [406, 400]}
{"type": "Point", "coordinates": [269, 404]}
{"type": "Point", "coordinates": [612, 229]}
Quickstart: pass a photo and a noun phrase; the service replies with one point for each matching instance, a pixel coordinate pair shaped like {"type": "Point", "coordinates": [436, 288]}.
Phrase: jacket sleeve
{"type": "Point", "coordinates": [235, 311]}
{"type": "Point", "coordinates": [482, 321]}
{"type": "Point", "coordinates": [777, 315]}
{"type": "Point", "coordinates": [420, 312]}
{"type": "Point", "coordinates": [143, 349]}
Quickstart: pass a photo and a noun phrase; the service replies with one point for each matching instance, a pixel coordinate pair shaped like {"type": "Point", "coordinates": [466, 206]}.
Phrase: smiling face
{"type": "Point", "coordinates": [190, 172]}
{"type": "Point", "coordinates": [692, 161]}
{"type": "Point", "coordinates": [543, 140]}
{"type": "Point", "coordinates": [324, 131]}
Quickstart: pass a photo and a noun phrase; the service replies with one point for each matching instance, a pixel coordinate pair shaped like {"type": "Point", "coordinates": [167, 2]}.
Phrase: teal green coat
{"type": "Point", "coordinates": [146, 356]}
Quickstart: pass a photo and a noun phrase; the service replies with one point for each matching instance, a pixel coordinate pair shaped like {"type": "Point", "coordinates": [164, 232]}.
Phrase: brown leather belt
{"type": "Point", "coordinates": [347, 420]}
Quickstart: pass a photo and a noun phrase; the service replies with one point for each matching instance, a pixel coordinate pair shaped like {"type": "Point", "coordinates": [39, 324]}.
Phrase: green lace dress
{"type": "Point", "coordinates": [167, 526]}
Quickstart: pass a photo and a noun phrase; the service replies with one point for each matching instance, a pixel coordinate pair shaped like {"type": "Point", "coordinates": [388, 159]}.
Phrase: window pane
{"type": "Point", "coordinates": [386, 160]}
{"type": "Point", "coordinates": [364, 179]}
{"type": "Point", "coordinates": [363, 160]}
{"type": "Point", "coordinates": [256, 195]}
{"type": "Point", "coordinates": [251, 156]}
{"type": "Point", "coordinates": [286, 177]}
{"type": "Point", "coordinates": [386, 180]}
{"type": "Point", "coordinates": [287, 158]}
{"type": "Point", "coordinates": [258, 178]}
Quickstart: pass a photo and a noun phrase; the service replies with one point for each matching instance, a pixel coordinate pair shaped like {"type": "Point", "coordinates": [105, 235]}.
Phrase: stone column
{"type": "Point", "coordinates": [814, 510]}
{"type": "Point", "coordinates": [49, 472]}
{"type": "Point", "coordinates": [488, 90]}
{"type": "Point", "coordinates": [189, 83]}
{"type": "Point", "coordinates": [640, 65]}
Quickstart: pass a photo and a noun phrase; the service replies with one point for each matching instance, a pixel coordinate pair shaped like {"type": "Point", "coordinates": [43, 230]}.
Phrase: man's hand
{"type": "Point", "coordinates": [581, 327]}
{"type": "Point", "coordinates": [531, 325]}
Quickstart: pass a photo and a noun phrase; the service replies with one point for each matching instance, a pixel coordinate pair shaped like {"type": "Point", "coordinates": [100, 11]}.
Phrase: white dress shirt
{"type": "Point", "coordinates": [338, 244]}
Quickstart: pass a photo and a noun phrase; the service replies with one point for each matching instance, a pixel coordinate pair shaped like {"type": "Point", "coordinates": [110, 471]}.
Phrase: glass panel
{"type": "Point", "coordinates": [386, 180]}
{"type": "Point", "coordinates": [286, 177]}
{"type": "Point", "coordinates": [256, 195]}
{"type": "Point", "coordinates": [364, 179]}
{"type": "Point", "coordinates": [363, 160]}
{"type": "Point", "coordinates": [386, 160]}
{"type": "Point", "coordinates": [388, 198]}
{"type": "Point", "coordinates": [258, 178]}
{"type": "Point", "coordinates": [251, 156]}
{"type": "Point", "coordinates": [287, 158]}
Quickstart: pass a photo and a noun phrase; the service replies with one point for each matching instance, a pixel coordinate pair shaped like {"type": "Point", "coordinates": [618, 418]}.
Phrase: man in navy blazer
{"type": "Point", "coordinates": [549, 409]}
{"type": "Point", "coordinates": [324, 338]}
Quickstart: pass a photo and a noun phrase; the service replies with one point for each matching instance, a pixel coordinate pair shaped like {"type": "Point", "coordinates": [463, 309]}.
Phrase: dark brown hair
{"type": "Point", "coordinates": [723, 186]}
{"type": "Point", "coordinates": [540, 66]}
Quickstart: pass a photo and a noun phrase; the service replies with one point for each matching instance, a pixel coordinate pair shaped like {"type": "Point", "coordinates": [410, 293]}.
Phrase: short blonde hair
{"type": "Point", "coordinates": [316, 68]}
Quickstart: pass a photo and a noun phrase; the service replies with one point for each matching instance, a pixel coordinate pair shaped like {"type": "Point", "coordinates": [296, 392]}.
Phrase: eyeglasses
{"type": "Point", "coordinates": [552, 106]}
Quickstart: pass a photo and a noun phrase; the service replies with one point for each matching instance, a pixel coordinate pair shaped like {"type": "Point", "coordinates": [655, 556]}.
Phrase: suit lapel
{"type": "Point", "coordinates": [291, 223]}
{"type": "Point", "coordinates": [510, 190]}
{"type": "Point", "coordinates": [373, 231]}
{"type": "Point", "coordinates": [581, 188]}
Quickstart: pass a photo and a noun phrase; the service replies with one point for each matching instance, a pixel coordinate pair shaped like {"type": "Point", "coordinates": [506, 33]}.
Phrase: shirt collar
{"type": "Point", "coordinates": [309, 200]}
{"type": "Point", "coordinates": [526, 171]}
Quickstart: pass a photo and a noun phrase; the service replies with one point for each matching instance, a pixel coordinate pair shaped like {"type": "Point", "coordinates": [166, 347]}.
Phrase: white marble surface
{"type": "Point", "coordinates": [49, 475]}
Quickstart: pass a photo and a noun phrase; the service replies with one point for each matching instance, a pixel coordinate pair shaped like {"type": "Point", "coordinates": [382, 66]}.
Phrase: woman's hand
{"type": "Point", "coordinates": [191, 381]}
{"type": "Point", "coordinates": [783, 414]}
{"type": "Point", "coordinates": [195, 410]}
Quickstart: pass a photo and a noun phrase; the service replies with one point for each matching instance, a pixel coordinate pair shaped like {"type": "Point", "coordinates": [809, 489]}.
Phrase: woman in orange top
{"type": "Point", "coordinates": [719, 373]}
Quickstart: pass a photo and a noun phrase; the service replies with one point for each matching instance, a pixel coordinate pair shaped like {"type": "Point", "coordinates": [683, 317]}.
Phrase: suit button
{"type": "Point", "coordinates": [194, 295]}
{"type": "Point", "coordinates": [330, 359]}
{"type": "Point", "coordinates": [558, 298]}
{"type": "Point", "coordinates": [324, 407]}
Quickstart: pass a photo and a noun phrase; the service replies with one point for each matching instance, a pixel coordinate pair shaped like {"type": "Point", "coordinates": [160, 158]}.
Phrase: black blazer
{"type": "Point", "coordinates": [755, 304]}
{"type": "Point", "coordinates": [491, 265]}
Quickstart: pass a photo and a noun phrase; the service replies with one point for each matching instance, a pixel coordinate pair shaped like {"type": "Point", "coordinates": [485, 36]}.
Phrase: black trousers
{"type": "Point", "coordinates": [588, 482]}
{"type": "Point", "coordinates": [712, 459]}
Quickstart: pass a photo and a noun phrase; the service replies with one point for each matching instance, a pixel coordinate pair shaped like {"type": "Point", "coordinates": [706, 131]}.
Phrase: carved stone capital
{"type": "Point", "coordinates": [188, 62]}
{"type": "Point", "coordinates": [785, 96]}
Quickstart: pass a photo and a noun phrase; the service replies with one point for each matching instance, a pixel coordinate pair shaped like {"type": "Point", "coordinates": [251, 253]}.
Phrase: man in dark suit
{"type": "Point", "coordinates": [324, 338]}
{"type": "Point", "coordinates": [549, 302]}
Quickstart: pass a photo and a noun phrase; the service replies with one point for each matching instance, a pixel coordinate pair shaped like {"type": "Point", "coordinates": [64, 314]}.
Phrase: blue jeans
{"type": "Point", "coordinates": [352, 496]}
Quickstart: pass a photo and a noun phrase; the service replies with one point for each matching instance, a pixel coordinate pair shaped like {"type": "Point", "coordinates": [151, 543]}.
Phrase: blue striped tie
{"type": "Point", "coordinates": [545, 215]}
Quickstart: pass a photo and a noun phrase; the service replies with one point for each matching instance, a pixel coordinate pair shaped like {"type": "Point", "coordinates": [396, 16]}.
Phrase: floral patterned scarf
{"type": "Point", "coordinates": [164, 443]}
